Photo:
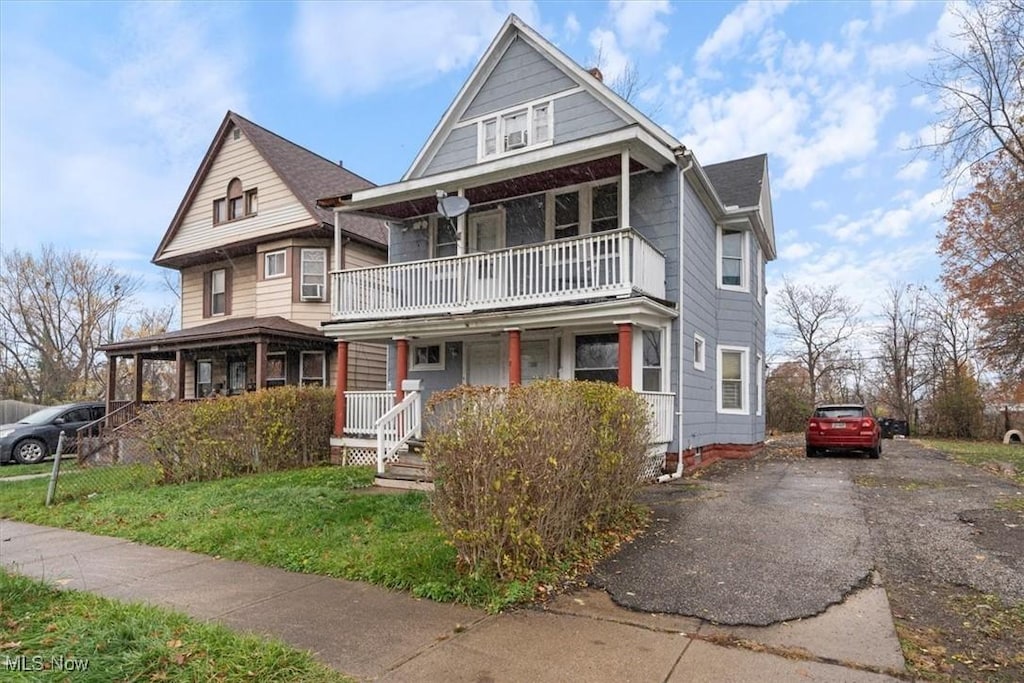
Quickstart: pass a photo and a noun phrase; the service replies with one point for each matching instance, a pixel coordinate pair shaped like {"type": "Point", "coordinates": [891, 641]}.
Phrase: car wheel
{"type": "Point", "coordinates": [30, 451]}
{"type": "Point", "coordinates": [812, 452]}
{"type": "Point", "coordinates": [874, 453]}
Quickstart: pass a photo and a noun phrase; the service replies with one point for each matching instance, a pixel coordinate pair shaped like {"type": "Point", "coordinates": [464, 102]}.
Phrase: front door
{"type": "Point", "coordinates": [236, 376]}
{"type": "Point", "coordinates": [536, 360]}
{"type": "Point", "coordinates": [486, 233]}
{"type": "Point", "coordinates": [483, 363]}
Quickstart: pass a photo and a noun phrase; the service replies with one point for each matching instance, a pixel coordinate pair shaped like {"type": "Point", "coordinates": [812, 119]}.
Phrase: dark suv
{"type": "Point", "coordinates": [847, 427]}
{"type": "Point", "coordinates": [35, 436]}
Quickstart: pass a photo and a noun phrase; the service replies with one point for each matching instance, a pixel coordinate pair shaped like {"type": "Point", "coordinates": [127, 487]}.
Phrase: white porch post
{"type": "Point", "coordinates": [460, 228]}
{"type": "Point", "coordinates": [624, 191]}
{"type": "Point", "coordinates": [338, 260]}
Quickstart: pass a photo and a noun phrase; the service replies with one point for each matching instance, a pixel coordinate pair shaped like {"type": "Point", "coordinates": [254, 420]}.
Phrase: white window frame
{"type": "Point", "coordinates": [744, 285]}
{"type": "Point", "coordinates": [759, 374]}
{"type": "Point", "coordinates": [586, 203]}
{"type": "Point", "coordinates": [744, 352]}
{"type": "Point", "coordinates": [208, 362]}
{"type": "Point", "coordinates": [759, 274]}
{"type": "Point", "coordinates": [303, 378]}
{"type": "Point", "coordinates": [699, 359]}
{"type": "Point", "coordinates": [223, 291]}
{"type": "Point", "coordinates": [303, 273]}
{"type": "Point", "coordinates": [498, 120]}
{"type": "Point", "coordinates": [267, 275]}
{"type": "Point", "coordinates": [429, 367]}
{"type": "Point", "coordinates": [662, 370]}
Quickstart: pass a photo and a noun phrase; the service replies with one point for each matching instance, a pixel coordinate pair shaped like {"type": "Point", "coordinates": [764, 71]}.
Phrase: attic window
{"type": "Point", "coordinates": [515, 129]}
{"type": "Point", "coordinates": [236, 134]}
{"type": "Point", "coordinates": [237, 204]}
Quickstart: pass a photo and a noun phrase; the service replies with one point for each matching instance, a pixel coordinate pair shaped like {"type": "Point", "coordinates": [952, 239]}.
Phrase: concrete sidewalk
{"type": "Point", "coordinates": [374, 634]}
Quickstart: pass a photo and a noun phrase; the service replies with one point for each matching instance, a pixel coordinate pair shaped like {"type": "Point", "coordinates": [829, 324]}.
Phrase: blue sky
{"type": "Point", "coordinates": [107, 109]}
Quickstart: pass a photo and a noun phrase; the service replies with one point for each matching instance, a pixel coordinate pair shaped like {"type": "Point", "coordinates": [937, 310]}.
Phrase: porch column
{"type": "Point", "coordinates": [625, 354]}
{"type": "Point", "coordinates": [111, 381]}
{"type": "Point", "coordinates": [340, 385]}
{"type": "Point", "coordinates": [261, 365]}
{"type": "Point", "coordinates": [461, 247]}
{"type": "Point", "coordinates": [624, 191]}
{"type": "Point", "coordinates": [401, 366]}
{"type": "Point", "coordinates": [179, 360]}
{"type": "Point", "coordinates": [138, 378]}
{"type": "Point", "coordinates": [515, 358]}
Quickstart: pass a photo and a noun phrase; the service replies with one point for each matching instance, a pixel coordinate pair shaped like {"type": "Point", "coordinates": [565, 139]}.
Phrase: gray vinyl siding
{"type": "Point", "coordinates": [700, 424]}
{"type": "Point", "coordinates": [406, 244]}
{"type": "Point", "coordinates": [580, 115]}
{"type": "Point", "coordinates": [458, 151]}
{"type": "Point", "coordinates": [521, 75]}
{"type": "Point", "coordinates": [433, 380]}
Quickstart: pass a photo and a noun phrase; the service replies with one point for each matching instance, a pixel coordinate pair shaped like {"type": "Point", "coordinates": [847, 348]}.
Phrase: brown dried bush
{"type": "Point", "coordinates": [527, 476]}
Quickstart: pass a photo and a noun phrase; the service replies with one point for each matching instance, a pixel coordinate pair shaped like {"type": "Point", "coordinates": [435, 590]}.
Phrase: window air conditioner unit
{"type": "Point", "coordinates": [312, 292]}
{"type": "Point", "coordinates": [515, 140]}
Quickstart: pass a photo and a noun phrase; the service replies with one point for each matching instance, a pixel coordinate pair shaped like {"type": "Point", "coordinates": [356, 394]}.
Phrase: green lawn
{"type": "Point", "coordinates": [321, 520]}
{"type": "Point", "coordinates": [979, 453]}
{"type": "Point", "coordinates": [46, 634]}
{"type": "Point", "coordinates": [41, 468]}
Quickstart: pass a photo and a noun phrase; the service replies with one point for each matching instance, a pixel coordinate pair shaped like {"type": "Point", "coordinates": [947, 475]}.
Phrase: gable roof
{"type": "Point", "coordinates": [738, 181]}
{"type": "Point", "coordinates": [306, 174]}
{"type": "Point", "coordinates": [515, 27]}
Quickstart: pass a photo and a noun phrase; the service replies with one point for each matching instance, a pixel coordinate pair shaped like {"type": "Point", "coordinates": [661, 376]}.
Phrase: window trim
{"type": "Point", "coordinates": [586, 206]}
{"type": "Point", "coordinates": [701, 362]}
{"type": "Point", "coordinates": [212, 294]}
{"type": "Point", "coordinates": [759, 273]}
{"type": "Point", "coordinates": [759, 374]}
{"type": "Point", "coordinates": [744, 285]}
{"type": "Point", "coordinates": [223, 206]}
{"type": "Point", "coordinates": [303, 379]}
{"type": "Point", "coordinates": [574, 351]}
{"type": "Point", "coordinates": [499, 118]}
{"type": "Point", "coordinates": [283, 379]}
{"type": "Point", "coordinates": [283, 253]}
{"type": "Point", "coordinates": [302, 274]}
{"type": "Point", "coordinates": [744, 352]}
{"type": "Point", "coordinates": [426, 367]}
{"type": "Point", "coordinates": [197, 383]}
{"type": "Point", "coordinates": [660, 367]}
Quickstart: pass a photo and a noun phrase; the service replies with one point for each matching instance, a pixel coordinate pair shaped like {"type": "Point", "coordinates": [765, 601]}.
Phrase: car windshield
{"type": "Point", "coordinates": [833, 412]}
{"type": "Point", "coordinates": [42, 416]}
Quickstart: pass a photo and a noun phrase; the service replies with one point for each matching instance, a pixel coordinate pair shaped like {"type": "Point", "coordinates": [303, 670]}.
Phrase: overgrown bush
{"type": "Point", "coordinates": [263, 431]}
{"type": "Point", "coordinates": [528, 476]}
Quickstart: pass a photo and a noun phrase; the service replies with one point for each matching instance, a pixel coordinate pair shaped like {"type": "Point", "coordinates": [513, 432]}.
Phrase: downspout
{"type": "Point", "coordinates": [681, 153]}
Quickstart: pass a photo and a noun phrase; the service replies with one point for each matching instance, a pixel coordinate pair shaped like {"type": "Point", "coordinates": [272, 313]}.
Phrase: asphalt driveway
{"type": "Point", "coordinates": [779, 538]}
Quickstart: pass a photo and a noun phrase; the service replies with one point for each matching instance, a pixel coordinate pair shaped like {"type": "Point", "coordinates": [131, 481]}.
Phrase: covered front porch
{"type": "Point", "coordinates": [625, 341]}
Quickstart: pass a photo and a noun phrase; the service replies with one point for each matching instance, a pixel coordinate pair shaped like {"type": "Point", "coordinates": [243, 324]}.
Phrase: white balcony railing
{"type": "Point", "coordinates": [611, 263]}
{"type": "Point", "coordinates": [363, 408]}
{"type": "Point", "coordinates": [663, 407]}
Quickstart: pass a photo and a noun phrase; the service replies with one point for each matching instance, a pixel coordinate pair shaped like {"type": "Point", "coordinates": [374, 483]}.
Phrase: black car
{"type": "Point", "coordinates": [35, 436]}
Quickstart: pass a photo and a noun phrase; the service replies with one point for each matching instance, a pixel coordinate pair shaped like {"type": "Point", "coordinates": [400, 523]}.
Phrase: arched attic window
{"type": "Point", "coordinates": [236, 203]}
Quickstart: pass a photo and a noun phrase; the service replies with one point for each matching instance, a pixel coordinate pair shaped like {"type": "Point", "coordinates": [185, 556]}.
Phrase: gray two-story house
{"type": "Point", "coordinates": [595, 247]}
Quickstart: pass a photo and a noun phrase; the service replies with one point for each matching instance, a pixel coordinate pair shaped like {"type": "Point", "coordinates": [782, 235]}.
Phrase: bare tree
{"type": "Point", "coordinates": [956, 401]}
{"type": "Point", "coordinates": [55, 308]}
{"type": "Point", "coordinates": [159, 378]}
{"type": "Point", "coordinates": [817, 323]}
{"type": "Point", "coordinates": [902, 342]}
{"type": "Point", "coordinates": [979, 81]}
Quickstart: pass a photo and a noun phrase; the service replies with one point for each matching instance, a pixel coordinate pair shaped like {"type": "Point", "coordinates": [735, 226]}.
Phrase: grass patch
{"type": "Point", "coordinates": [982, 453]}
{"type": "Point", "coordinates": [40, 468]}
{"type": "Point", "coordinates": [56, 630]}
{"type": "Point", "coordinates": [320, 520]}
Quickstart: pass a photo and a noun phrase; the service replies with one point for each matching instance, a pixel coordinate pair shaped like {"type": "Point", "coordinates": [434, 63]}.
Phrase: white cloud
{"type": "Point", "coordinates": [614, 61]}
{"type": "Point", "coordinates": [884, 10]}
{"type": "Point", "coordinates": [354, 48]}
{"type": "Point", "coordinates": [915, 170]}
{"type": "Point", "coordinates": [637, 24]}
{"type": "Point", "coordinates": [750, 18]}
{"type": "Point", "coordinates": [797, 251]}
{"type": "Point", "coordinates": [572, 26]}
{"type": "Point", "coordinates": [898, 57]}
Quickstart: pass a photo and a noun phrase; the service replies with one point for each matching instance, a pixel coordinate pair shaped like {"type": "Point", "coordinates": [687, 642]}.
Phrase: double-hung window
{"type": "Point", "coordinates": [313, 366]}
{"type": "Point", "coordinates": [218, 292]}
{"type": "Point", "coordinates": [514, 129]}
{"type": "Point", "coordinates": [313, 266]}
{"type": "Point", "coordinates": [652, 360]}
{"type": "Point", "coordinates": [733, 380]}
{"type": "Point", "coordinates": [732, 247]}
{"type": "Point", "coordinates": [275, 264]}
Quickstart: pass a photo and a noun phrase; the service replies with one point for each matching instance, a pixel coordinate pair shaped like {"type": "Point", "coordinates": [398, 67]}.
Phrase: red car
{"type": "Point", "coordinates": [845, 427]}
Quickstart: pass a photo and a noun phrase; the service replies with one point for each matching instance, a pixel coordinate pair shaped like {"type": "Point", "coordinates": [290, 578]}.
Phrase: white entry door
{"type": "Point", "coordinates": [536, 360]}
{"type": "Point", "coordinates": [483, 363]}
{"type": "Point", "coordinates": [487, 276]}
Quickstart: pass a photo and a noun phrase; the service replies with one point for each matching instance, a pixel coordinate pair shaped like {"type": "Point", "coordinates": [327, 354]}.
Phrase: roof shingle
{"type": "Point", "coordinates": [738, 181]}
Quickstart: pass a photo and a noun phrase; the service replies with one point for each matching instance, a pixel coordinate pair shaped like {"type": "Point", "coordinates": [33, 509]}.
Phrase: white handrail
{"type": "Point", "coordinates": [363, 408]}
{"type": "Point", "coordinates": [612, 263]}
{"type": "Point", "coordinates": [396, 427]}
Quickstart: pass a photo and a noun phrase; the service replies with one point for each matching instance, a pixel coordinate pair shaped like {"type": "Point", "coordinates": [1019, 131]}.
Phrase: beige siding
{"type": "Point", "coordinates": [278, 210]}
{"type": "Point", "coordinates": [359, 255]}
{"type": "Point", "coordinates": [367, 367]}
{"type": "Point", "coordinates": [243, 290]}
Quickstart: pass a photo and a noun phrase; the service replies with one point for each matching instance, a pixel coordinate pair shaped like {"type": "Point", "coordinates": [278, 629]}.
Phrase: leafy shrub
{"type": "Point", "coordinates": [262, 431]}
{"type": "Point", "coordinates": [527, 477]}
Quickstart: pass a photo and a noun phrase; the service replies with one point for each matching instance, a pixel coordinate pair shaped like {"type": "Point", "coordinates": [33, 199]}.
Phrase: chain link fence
{"type": "Point", "coordinates": [98, 465]}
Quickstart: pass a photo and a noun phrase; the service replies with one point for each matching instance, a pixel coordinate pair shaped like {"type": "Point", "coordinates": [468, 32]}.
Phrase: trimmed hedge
{"type": "Point", "coordinates": [526, 477]}
{"type": "Point", "coordinates": [262, 431]}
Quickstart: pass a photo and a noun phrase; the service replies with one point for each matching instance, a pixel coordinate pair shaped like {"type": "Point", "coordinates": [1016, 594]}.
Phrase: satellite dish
{"type": "Point", "coordinates": [453, 206]}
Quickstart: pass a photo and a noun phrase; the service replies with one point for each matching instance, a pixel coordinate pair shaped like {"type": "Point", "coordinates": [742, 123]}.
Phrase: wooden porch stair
{"type": "Point", "coordinates": [410, 471]}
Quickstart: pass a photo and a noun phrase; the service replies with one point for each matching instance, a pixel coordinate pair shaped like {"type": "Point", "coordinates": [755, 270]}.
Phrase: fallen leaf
{"type": "Point", "coordinates": [173, 643]}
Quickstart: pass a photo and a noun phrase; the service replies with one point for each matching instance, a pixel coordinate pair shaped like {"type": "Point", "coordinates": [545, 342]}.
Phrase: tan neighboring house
{"type": "Point", "coordinates": [254, 253]}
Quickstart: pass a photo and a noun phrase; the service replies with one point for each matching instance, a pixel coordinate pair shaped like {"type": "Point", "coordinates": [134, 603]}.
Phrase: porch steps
{"type": "Point", "coordinates": [410, 471]}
